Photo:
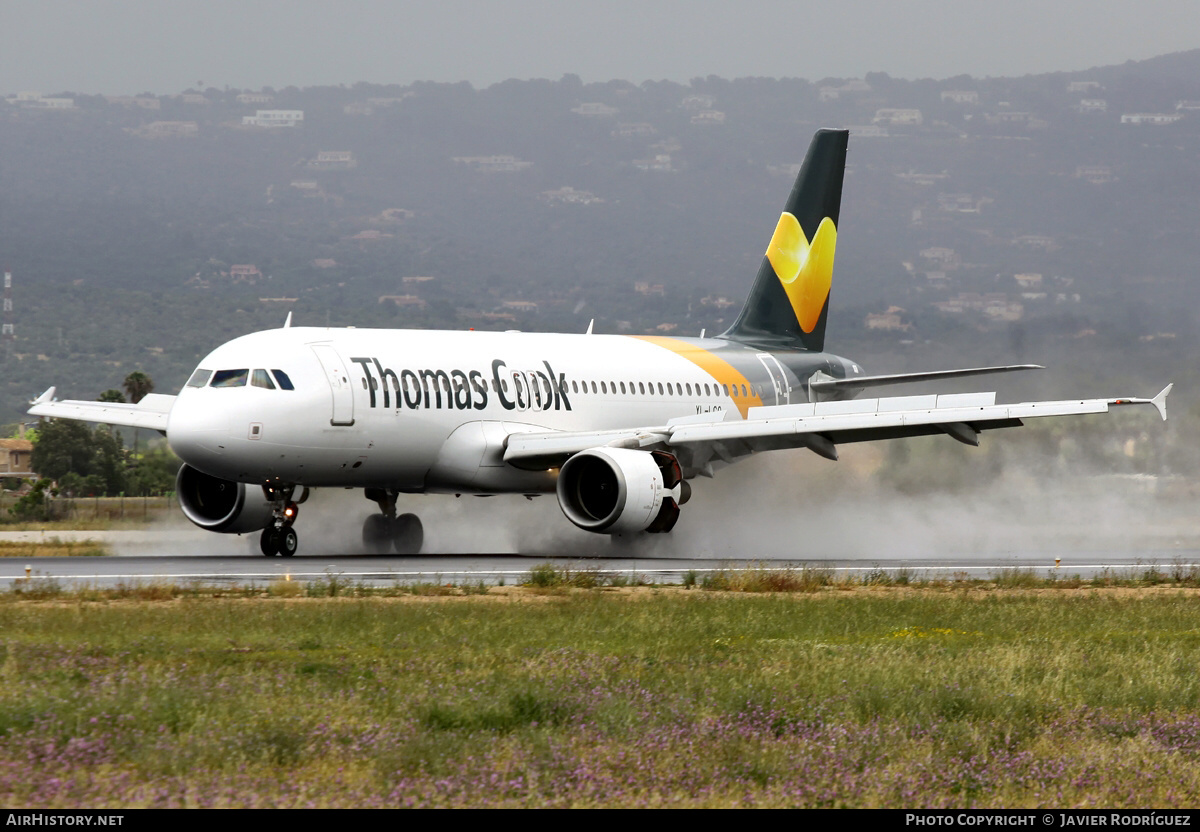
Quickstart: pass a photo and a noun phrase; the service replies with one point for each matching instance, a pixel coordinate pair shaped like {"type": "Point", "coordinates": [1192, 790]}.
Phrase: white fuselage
{"type": "Point", "coordinates": [429, 410]}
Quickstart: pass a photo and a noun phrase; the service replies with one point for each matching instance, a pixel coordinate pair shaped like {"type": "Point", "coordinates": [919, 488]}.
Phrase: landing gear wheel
{"type": "Point", "coordinates": [286, 542]}
{"type": "Point", "coordinates": [407, 534]}
{"type": "Point", "coordinates": [377, 538]}
{"type": "Point", "coordinates": [269, 543]}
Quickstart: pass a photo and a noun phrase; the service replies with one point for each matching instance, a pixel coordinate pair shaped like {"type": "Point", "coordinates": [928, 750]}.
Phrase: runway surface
{"type": "Point", "coordinates": [154, 557]}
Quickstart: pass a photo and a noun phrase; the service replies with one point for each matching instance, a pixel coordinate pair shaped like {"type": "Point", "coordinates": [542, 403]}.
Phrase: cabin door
{"type": "Point", "coordinates": [778, 378]}
{"type": "Point", "coordinates": [339, 385]}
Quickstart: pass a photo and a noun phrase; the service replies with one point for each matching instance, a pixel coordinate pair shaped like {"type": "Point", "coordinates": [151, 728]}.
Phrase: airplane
{"type": "Point", "coordinates": [617, 426]}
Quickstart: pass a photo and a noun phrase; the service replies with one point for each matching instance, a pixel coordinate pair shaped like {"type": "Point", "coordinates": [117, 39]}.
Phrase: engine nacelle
{"type": "Point", "coordinates": [619, 490]}
{"type": "Point", "coordinates": [222, 505]}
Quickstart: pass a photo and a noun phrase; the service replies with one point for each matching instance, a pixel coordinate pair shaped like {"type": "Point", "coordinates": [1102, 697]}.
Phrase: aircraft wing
{"type": "Point", "coordinates": [151, 412]}
{"type": "Point", "coordinates": [819, 426]}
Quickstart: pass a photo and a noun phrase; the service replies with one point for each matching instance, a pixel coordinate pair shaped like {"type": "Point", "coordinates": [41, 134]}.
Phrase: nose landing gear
{"type": "Point", "coordinates": [278, 542]}
{"type": "Point", "coordinates": [386, 530]}
{"type": "Point", "coordinates": [279, 538]}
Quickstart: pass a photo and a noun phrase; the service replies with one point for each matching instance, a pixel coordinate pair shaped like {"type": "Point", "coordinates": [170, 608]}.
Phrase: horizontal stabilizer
{"type": "Point", "coordinates": [825, 386]}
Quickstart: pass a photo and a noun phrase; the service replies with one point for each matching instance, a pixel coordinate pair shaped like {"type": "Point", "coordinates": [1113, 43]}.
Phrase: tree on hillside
{"type": "Point", "coordinates": [137, 384]}
{"type": "Point", "coordinates": [115, 396]}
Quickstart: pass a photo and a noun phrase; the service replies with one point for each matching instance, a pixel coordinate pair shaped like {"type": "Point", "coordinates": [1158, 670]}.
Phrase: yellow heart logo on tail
{"type": "Point", "coordinates": [804, 269]}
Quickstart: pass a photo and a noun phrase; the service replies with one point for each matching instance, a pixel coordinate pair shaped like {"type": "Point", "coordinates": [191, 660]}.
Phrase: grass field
{"type": "Point", "coordinates": [855, 696]}
{"type": "Point", "coordinates": [54, 547]}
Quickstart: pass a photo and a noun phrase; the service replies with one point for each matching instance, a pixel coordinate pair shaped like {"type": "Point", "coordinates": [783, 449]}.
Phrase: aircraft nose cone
{"type": "Point", "coordinates": [198, 435]}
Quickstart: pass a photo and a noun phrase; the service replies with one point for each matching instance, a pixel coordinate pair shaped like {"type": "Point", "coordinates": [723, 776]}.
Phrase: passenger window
{"type": "Point", "coordinates": [604, 388]}
{"type": "Point", "coordinates": [735, 395]}
{"type": "Point", "coordinates": [261, 379]}
{"type": "Point", "coordinates": [199, 378]}
{"type": "Point", "coordinates": [622, 388]}
{"type": "Point", "coordinates": [725, 389]}
{"type": "Point", "coordinates": [706, 391]}
{"type": "Point", "coordinates": [660, 390]}
{"type": "Point", "coordinates": [744, 393]}
{"type": "Point", "coordinates": [641, 388]}
{"type": "Point", "coordinates": [575, 386]}
{"type": "Point", "coordinates": [593, 387]}
{"type": "Point", "coordinates": [230, 378]}
{"type": "Point", "coordinates": [285, 383]}
{"type": "Point", "coordinates": [689, 389]}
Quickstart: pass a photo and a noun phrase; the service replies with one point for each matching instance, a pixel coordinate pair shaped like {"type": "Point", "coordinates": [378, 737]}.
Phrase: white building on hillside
{"type": "Point", "coordinates": [274, 118]}
{"type": "Point", "coordinates": [1150, 118]}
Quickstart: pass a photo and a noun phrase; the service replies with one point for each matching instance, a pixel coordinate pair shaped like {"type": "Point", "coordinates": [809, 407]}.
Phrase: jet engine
{"type": "Point", "coordinates": [222, 505]}
{"type": "Point", "coordinates": [619, 490]}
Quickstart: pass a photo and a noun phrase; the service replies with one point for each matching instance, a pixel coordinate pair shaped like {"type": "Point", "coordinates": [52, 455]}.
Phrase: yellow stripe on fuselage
{"type": "Point", "coordinates": [718, 368]}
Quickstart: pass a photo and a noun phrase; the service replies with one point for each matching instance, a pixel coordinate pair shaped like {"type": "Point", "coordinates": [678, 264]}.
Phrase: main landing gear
{"type": "Point", "coordinates": [385, 531]}
{"type": "Point", "coordinates": [279, 538]}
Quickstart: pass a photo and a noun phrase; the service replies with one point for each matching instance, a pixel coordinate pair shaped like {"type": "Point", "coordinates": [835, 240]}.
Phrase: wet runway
{"type": "Point", "coordinates": [775, 511]}
{"type": "Point", "coordinates": [155, 563]}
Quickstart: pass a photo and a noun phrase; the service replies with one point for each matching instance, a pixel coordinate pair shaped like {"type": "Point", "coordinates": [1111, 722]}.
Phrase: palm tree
{"type": "Point", "coordinates": [137, 385]}
{"type": "Point", "coordinates": [115, 396]}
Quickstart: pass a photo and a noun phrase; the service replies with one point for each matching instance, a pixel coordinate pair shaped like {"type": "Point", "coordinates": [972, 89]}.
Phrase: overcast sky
{"type": "Point", "coordinates": [164, 46]}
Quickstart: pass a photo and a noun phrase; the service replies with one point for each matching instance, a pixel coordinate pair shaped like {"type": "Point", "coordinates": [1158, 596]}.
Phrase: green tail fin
{"type": "Point", "coordinates": [789, 301]}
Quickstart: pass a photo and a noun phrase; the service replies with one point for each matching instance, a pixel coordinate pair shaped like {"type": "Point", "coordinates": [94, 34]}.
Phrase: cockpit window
{"type": "Point", "coordinates": [229, 378]}
{"type": "Point", "coordinates": [199, 378]}
{"type": "Point", "coordinates": [285, 383]}
{"type": "Point", "coordinates": [261, 379]}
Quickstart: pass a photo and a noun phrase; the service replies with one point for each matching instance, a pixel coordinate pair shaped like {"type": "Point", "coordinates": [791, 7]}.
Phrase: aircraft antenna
{"type": "Point", "coordinates": [590, 324]}
{"type": "Point", "coordinates": [288, 322]}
